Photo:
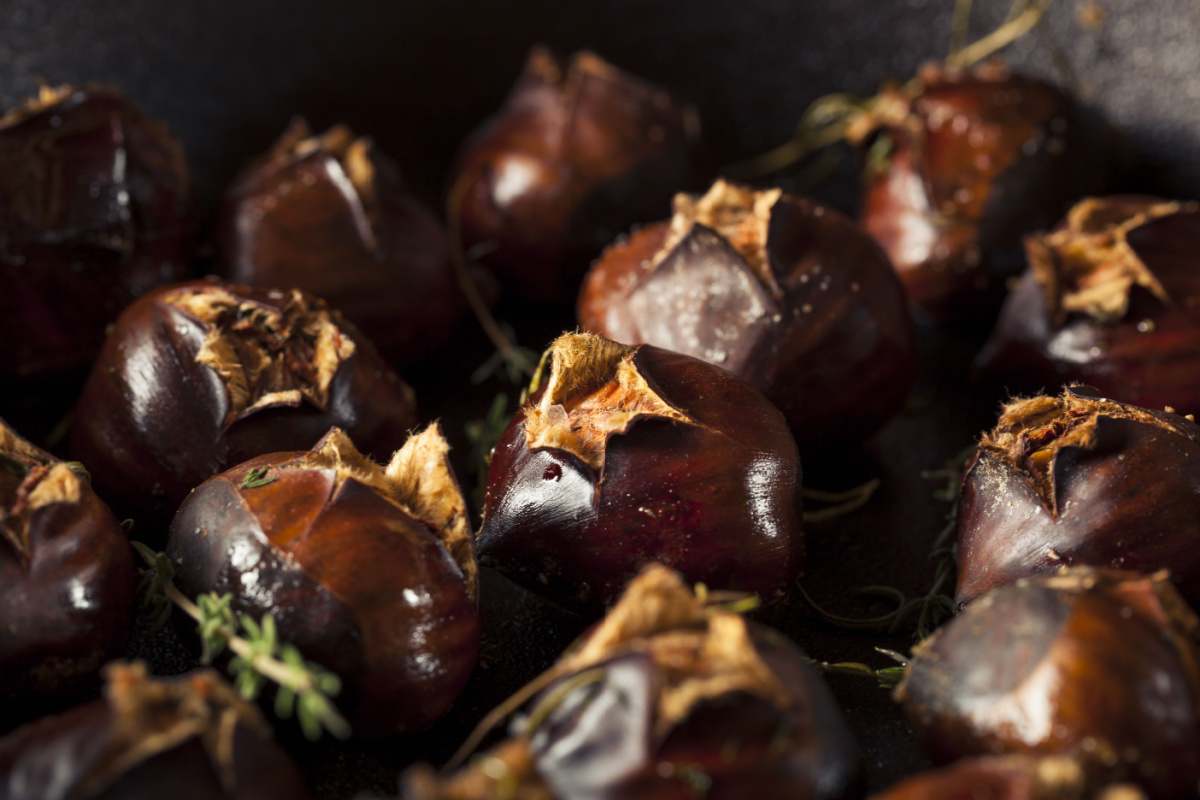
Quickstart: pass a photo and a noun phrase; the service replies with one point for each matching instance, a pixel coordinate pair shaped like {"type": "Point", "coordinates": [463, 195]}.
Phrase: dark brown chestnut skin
{"type": "Point", "coordinates": [94, 210]}
{"type": "Point", "coordinates": [631, 454]}
{"type": "Point", "coordinates": [190, 737]}
{"type": "Point", "coordinates": [368, 571]}
{"type": "Point", "coordinates": [670, 699]}
{"type": "Point", "coordinates": [66, 580]}
{"type": "Point", "coordinates": [1078, 479]}
{"type": "Point", "coordinates": [330, 215]}
{"type": "Point", "coordinates": [785, 293]}
{"type": "Point", "coordinates": [975, 159]}
{"type": "Point", "coordinates": [578, 153]}
{"type": "Point", "coordinates": [1092, 664]}
{"type": "Point", "coordinates": [198, 376]}
{"type": "Point", "coordinates": [1112, 299]}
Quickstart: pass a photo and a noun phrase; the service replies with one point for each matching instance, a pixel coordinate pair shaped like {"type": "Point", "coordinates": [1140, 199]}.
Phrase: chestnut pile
{"type": "Point", "coordinates": [646, 492]}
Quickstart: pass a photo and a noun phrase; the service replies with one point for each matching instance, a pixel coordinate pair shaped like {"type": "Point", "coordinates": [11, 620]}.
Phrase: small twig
{"type": "Point", "coordinates": [847, 502]}
{"type": "Point", "coordinates": [1000, 38]}
{"type": "Point", "coordinates": [961, 31]}
{"type": "Point", "coordinates": [854, 623]}
{"type": "Point", "coordinates": [558, 694]}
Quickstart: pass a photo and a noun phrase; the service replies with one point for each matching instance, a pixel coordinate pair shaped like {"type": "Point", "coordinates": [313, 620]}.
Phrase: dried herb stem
{"type": "Point", "coordinates": [1025, 20]}
{"type": "Point", "coordinates": [846, 502]}
{"type": "Point", "coordinates": [861, 623]}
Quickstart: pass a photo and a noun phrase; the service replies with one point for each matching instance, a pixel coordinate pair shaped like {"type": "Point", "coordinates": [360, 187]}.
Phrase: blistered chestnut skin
{"type": "Point", "coordinates": [787, 294]}
{"type": "Point", "coordinates": [1112, 299]}
{"type": "Point", "coordinates": [579, 152]}
{"type": "Point", "coordinates": [66, 579]}
{"type": "Point", "coordinates": [198, 376]}
{"type": "Point", "coordinates": [669, 699]}
{"type": "Point", "coordinates": [94, 199]}
{"type": "Point", "coordinates": [1076, 479]}
{"type": "Point", "coordinates": [636, 454]}
{"type": "Point", "coordinates": [1097, 665]}
{"type": "Point", "coordinates": [190, 737]}
{"type": "Point", "coordinates": [330, 215]}
{"type": "Point", "coordinates": [975, 160]}
{"type": "Point", "coordinates": [368, 571]}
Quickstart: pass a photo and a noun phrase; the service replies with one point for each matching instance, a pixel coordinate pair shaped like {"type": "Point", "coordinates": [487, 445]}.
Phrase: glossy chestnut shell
{"type": "Point", "coordinates": [66, 580]}
{"type": "Point", "coordinates": [579, 152]}
{"type": "Point", "coordinates": [1096, 665]}
{"type": "Point", "coordinates": [94, 203]}
{"type": "Point", "coordinates": [1078, 479]}
{"type": "Point", "coordinates": [190, 737]}
{"type": "Point", "coordinates": [667, 698]}
{"type": "Point", "coordinates": [1112, 299]}
{"type": "Point", "coordinates": [368, 572]}
{"type": "Point", "coordinates": [785, 293]}
{"type": "Point", "coordinates": [330, 215]}
{"type": "Point", "coordinates": [198, 376]}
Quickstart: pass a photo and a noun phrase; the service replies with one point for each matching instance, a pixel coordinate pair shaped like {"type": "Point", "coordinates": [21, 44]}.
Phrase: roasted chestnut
{"type": "Point", "coordinates": [66, 579]}
{"type": "Point", "coordinates": [971, 161]}
{"type": "Point", "coordinates": [191, 737]}
{"type": "Point", "coordinates": [668, 698]}
{"type": "Point", "coordinates": [787, 294]}
{"type": "Point", "coordinates": [330, 215]}
{"type": "Point", "coordinates": [198, 376]}
{"type": "Point", "coordinates": [579, 152]}
{"type": "Point", "coordinates": [1111, 298]}
{"type": "Point", "coordinates": [94, 200]}
{"type": "Point", "coordinates": [1078, 479]}
{"type": "Point", "coordinates": [368, 571]}
{"type": "Point", "coordinates": [996, 778]}
{"type": "Point", "coordinates": [635, 454]}
{"type": "Point", "coordinates": [1096, 665]}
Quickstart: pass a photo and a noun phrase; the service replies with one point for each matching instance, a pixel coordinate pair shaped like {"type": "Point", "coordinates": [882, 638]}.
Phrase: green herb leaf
{"type": "Point", "coordinates": [255, 478]}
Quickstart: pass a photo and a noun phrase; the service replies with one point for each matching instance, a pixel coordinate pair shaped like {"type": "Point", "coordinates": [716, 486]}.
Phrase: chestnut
{"type": "Point", "coordinates": [198, 376]}
{"type": "Point", "coordinates": [668, 698]}
{"type": "Point", "coordinates": [330, 215]}
{"type": "Point", "coordinates": [368, 571]}
{"type": "Point", "coordinates": [1079, 479]}
{"type": "Point", "coordinates": [787, 294]}
{"type": "Point", "coordinates": [190, 737]}
{"type": "Point", "coordinates": [1096, 665]}
{"type": "Point", "coordinates": [67, 579]}
{"type": "Point", "coordinates": [631, 454]}
{"type": "Point", "coordinates": [1111, 299]}
{"type": "Point", "coordinates": [94, 209]}
{"type": "Point", "coordinates": [1011, 777]}
{"type": "Point", "coordinates": [578, 153]}
{"type": "Point", "coordinates": [974, 159]}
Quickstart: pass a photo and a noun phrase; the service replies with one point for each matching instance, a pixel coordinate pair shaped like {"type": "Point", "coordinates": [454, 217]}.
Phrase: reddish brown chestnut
{"type": "Point", "coordinates": [1002, 778]}
{"type": "Point", "coordinates": [93, 209]}
{"type": "Point", "coordinates": [1078, 479]}
{"type": "Point", "coordinates": [191, 737]}
{"type": "Point", "coordinates": [671, 699]}
{"type": "Point", "coordinates": [579, 152]}
{"type": "Point", "coordinates": [368, 571]}
{"type": "Point", "coordinates": [330, 215]}
{"type": "Point", "coordinates": [974, 160]}
{"type": "Point", "coordinates": [66, 578]}
{"type": "Point", "coordinates": [787, 294]}
{"type": "Point", "coordinates": [1096, 665]}
{"type": "Point", "coordinates": [197, 376]}
{"type": "Point", "coordinates": [1112, 299]}
{"type": "Point", "coordinates": [636, 454]}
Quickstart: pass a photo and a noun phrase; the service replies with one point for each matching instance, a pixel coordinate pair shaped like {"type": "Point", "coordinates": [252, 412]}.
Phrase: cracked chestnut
{"type": "Point", "coordinates": [369, 571]}
{"type": "Point", "coordinates": [330, 215]}
{"type": "Point", "coordinates": [578, 153]}
{"type": "Point", "coordinates": [66, 579]}
{"type": "Point", "coordinates": [1111, 299]}
{"type": "Point", "coordinates": [785, 293]}
{"type": "Point", "coordinates": [1078, 479]}
{"type": "Point", "coordinates": [1096, 665]}
{"type": "Point", "coordinates": [631, 454]}
{"type": "Point", "coordinates": [190, 737]}
{"type": "Point", "coordinates": [198, 376]}
{"type": "Point", "coordinates": [673, 699]}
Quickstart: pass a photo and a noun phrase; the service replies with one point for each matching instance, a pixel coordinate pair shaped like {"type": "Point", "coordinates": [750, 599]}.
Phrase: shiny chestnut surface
{"type": "Point", "coordinates": [1075, 480]}
{"type": "Point", "coordinates": [360, 582]}
{"type": "Point", "coordinates": [198, 376]}
{"type": "Point", "coordinates": [699, 472]}
{"type": "Point", "coordinates": [788, 294]}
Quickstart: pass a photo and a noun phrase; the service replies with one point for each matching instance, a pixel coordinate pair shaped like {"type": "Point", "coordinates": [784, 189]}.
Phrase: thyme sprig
{"type": "Point", "coordinates": [255, 478]}
{"type": "Point", "coordinates": [888, 677]}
